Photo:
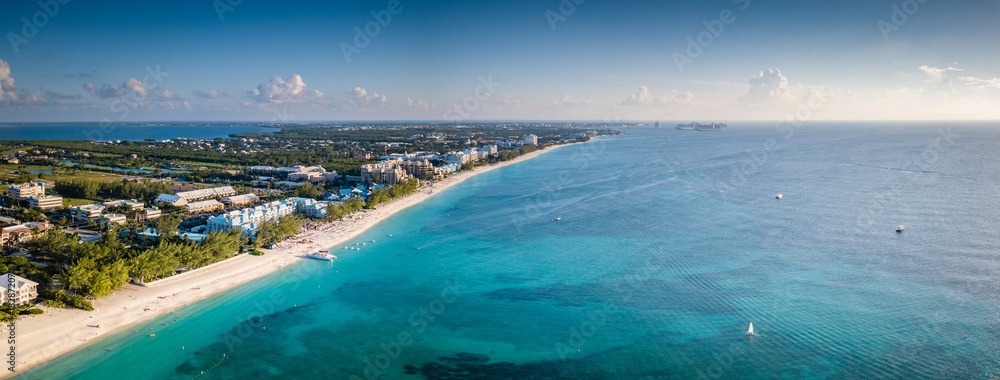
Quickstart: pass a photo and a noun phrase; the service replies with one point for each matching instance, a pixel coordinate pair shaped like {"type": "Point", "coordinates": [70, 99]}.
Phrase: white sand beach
{"type": "Point", "coordinates": [59, 331]}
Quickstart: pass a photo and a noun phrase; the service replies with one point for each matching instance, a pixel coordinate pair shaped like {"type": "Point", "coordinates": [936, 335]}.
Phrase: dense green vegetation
{"type": "Point", "coordinates": [309, 190]}
{"type": "Point", "coordinates": [23, 214]}
{"type": "Point", "coordinates": [389, 193]}
{"type": "Point", "coordinates": [164, 259]}
{"type": "Point", "coordinates": [273, 231]}
{"type": "Point", "coordinates": [97, 269]}
{"type": "Point", "coordinates": [84, 188]}
{"type": "Point", "coordinates": [315, 132]}
{"type": "Point", "coordinates": [335, 157]}
{"type": "Point", "coordinates": [336, 211]}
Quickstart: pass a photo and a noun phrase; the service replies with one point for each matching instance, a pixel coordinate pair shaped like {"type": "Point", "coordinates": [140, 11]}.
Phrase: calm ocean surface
{"type": "Point", "coordinates": [96, 132]}
{"type": "Point", "coordinates": [670, 243]}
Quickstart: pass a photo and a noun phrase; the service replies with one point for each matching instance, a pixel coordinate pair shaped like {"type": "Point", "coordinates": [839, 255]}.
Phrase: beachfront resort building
{"type": "Point", "coordinates": [530, 139]}
{"type": "Point", "coordinates": [25, 191]}
{"type": "Point", "coordinates": [182, 198]}
{"type": "Point", "coordinates": [204, 206]}
{"type": "Point", "coordinates": [24, 290]}
{"type": "Point", "coordinates": [249, 219]}
{"type": "Point", "coordinates": [309, 207]}
{"type": "Point", "coordinates": [239, 200]}
{"type": "Point", "coordinates": [45, 202]}
{"type": "Point", "coordinates": [215, 192]}
{"type": "Point", "coordinates": [21, 232]}
{"type": "Point", "coordinates": [386, 171]}
{"type": "Point", "coordinates": [448, 168]}
{"type": "Point", "coordinates": [295, 173]}
{"type": "Point", "coordinates": [418, 168]}
{"type": "Point", "coordinates": [170, 199]}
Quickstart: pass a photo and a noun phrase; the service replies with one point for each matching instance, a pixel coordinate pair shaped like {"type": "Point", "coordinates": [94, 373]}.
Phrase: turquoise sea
{"type": "Point", "coordinates": [670, 243]}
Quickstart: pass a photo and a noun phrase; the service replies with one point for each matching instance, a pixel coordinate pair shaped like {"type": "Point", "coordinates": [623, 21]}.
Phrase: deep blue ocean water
{"type": "Point", "coordinates": [670, 242]}
{"type": "Point", "coordinates": [97, 132]}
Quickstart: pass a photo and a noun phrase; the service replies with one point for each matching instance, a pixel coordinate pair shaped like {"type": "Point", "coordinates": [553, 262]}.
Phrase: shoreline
{"type": "Point", "coordinates": [57, 332]}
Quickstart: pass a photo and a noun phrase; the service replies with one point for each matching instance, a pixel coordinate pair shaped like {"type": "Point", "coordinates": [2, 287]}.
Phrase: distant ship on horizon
{"type": "Point", "coordinates": [715, 126]}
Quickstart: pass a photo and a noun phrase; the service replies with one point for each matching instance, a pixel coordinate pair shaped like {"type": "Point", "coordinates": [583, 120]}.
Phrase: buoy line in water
{"type": "Point", "coordinates": [224, 357]}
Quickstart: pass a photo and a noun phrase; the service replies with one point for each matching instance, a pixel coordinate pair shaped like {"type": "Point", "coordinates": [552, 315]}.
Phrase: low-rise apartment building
{"type": "Point", "coordinates": [215, 192]}
{"type": "Point", "coordinates": [25, 191]}
{"type": "Point", "coordinates": [153, 213]}
{"type": "Point", "coordinates": [45, 202]}
{"type": "Point", "coordinates": [24, 290]}
{"type": "Point", "coordinates": [87, 212]}
{"type": "Point", "coordinates": [21, 232]}
{"type": "Point", "coordinates": [114, 218]}
{"type": "Point", "coordinates": [204, 206]}
{"type": "Point", "coordinates": [239, 200]}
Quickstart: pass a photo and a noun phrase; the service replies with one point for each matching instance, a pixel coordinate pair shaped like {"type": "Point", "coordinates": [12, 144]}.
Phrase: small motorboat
{"type": "Point", "coordinates": [557, 219]}
{"type": "Point", "coordinates": [322, 255]}
{"type": "Point", "coordinates": [779, 196]}
{"type": "Point", "coordinates": [900, 228]}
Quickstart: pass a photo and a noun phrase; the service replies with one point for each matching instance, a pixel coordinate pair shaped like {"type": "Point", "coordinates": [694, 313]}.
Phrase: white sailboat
{"type": "Point", "coordinates": [750, 331]}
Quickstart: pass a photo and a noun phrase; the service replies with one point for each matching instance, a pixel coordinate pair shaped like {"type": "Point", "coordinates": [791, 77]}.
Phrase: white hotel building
{"type": "Point", "coordinates": [249, 219]}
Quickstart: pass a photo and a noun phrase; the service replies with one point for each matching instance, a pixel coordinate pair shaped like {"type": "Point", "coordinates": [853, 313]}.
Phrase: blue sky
{"type": "Point", "coordinates": [548, 59]}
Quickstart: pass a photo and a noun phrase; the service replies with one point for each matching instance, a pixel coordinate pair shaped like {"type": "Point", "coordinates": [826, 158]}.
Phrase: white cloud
{"type": "Point", "coordinates": [280, 90]}
{"type": "Point", "coordinates": [136, 86]}
{"type": "Point", "coordinates": [361, 98]}
{"type": "Point", "coordinates": [8, 92]}
{"type": "Point", "coordinates": [419, 103]}
{"type": "Point", "coordinates": [977, 82]}
{"type": "Point", "coordinates": [568, 101]}
{"type": "Point", "coordinates": [938, 78]}
{"type": "Point", "coordinates": [11, 95]}
{"type": "Point", "coordinates": [166, 94]}
{"type": "Point", "coordinates": [936, 75]}
{"type": "Point", "coordinates": [103, 92]}
{"type": "Point", "coordinates": [768, 86]}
